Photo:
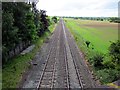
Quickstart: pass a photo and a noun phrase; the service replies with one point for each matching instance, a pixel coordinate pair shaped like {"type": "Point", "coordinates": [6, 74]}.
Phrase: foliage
{"type": "Point", "coordinates": [115, 52]}
{"type": "Point", "coordinates": [90, 18]}
{"type": "Point", "coordinates": [13, 71]}
{"type": "Point", "coordinates": [104, 66]}
{"type": "Point", "coordinates": [45, 22]}
{"type": "Point", "coordinates": [31, 31]}
{"type": "Point", "coordinates": [22, 22]}
{"type": "Point", "coordinates": [97, 60]}
{"type": "Point", "coordinates": [108, 63]}
{"type": "Point", "coordinates": [108, 75]}
{"type": "Point", "coordinates": [110, 19]}
{"type": "Point", "coordinates": [87, 43]}
{"type": "Point", "coordinates": [114, 19]}
{"type": "Point", "coordinates": [9, 32]}
{"type": "Point", "coordinates": [55, 19]}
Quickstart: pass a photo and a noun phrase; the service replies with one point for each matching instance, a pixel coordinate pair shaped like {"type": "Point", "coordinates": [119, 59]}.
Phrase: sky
{"type": "Point", "coordinates": [80, 8]}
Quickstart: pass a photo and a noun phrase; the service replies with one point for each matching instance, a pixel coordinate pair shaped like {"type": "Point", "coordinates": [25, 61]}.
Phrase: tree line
{"type": "Point", "coordinates": [110, 19]}
{"type": "Point", "coordinates": [22, 24]}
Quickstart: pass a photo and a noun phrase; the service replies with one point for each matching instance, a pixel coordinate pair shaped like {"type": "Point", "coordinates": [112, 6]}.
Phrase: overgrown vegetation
{"type": "Point", "coordinates": [55, 19]}
{"type": "Point", "coordinates": [108, 70]}
{"type": "Point", "coordinates": [110, 19]}
{"type": "Point", "coordinates": [22, 22]}
{"type": "Point", "coordinates": [22, 25]}
{"type": "Point", "coordinates": [115, 52]}
{"type": "Point", "coordinates": [114, 19]}
{"type": "Point", "coordinates": [13, 71]}
{"type": "Point", "coordinates": [104, 61]}
{"type": "Point", "coordinates": [97, 60]}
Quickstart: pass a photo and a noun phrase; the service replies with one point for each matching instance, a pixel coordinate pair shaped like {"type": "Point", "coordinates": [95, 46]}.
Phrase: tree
{"type": "Point", "coordinates": [31, 32]}
{"type": "Point", "coordinates": [87, 43]}
{"type": "Point", "coordinates": [17, 25]}
{"type": "Point", "coordinates": [54, 19]}
{"type": "Point", "coordinates": [22, 22]}
{"type": "Point", "coordinates": [20, 13]}
{"type": "Point", "coordinates": [114, 19]}
{"type": "Point", "coordinates": [44, 22]}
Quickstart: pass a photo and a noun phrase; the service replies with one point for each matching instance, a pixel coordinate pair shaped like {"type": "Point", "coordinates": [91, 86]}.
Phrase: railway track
{"type": "Point", "coordinates": [62, 68]}
{"type": "Point", "coordinates": [56, 70]}
{"type": "Point", "coordinates": [81, 68]}
{"type": "Point", "coordinates": [62, 79]}
{"type": "Point", "coordinates": [80, 85]}
{"type": "Point", "coordinates": [47, 76]}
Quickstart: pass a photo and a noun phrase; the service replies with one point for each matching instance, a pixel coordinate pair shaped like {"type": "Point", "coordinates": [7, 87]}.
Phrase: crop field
{"type": "Point", "coordinates": [100, 34]}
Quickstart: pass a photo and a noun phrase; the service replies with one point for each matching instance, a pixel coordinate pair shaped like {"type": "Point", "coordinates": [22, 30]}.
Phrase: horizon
{"type": "Point", "coordinates": [86, 17]}
{"type": "Point", "coordinates": [92, 8]}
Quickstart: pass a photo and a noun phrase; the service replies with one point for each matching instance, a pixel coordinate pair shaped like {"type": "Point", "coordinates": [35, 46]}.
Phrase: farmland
{"type": "Point", "coordinates": [100, 34]}
{"type": "Point", "coordinates": [73, 44]}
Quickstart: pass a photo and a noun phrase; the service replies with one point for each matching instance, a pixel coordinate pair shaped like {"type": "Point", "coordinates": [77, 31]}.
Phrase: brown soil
{"type": "Point", "coordinates": [112, 25]}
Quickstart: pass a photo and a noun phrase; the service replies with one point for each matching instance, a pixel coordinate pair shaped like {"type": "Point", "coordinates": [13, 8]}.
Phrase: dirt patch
{"type": "Point", "coordinates": [102, 25]}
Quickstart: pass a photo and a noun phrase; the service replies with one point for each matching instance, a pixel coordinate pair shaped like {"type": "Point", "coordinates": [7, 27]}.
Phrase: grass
{"type": "Point", "coordinates": [13, 70]}
{"type": "Point", "coordinates": [100, 35]}
{"type": "Point", "coordinates": [52, 27]}
{"type": "Point", "coordinates": [0, 79]}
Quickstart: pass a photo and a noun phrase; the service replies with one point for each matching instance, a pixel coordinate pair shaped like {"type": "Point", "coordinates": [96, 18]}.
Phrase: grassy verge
{"type": "Point", "coordinates": [52, 27]}
{"type": "Point", "coordinates": [13, 70]}
{"type": "Point", "coordinates": [0, 79]}
{"type": "Point", "coordinates": [99, 38]}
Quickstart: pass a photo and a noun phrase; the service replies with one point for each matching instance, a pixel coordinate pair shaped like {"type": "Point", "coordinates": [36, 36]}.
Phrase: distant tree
{"type": "Point", "coordinates": [54, 19]}
{"type": "Point", "coordinates": [101, 19]}
{"type": "Point", "coordinates": [114, 19]}
{"type": "Point", "coordinates": [45, 22]}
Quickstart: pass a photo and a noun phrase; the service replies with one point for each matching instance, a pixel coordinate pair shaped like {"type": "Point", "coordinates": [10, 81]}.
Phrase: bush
{"type": "Point", "coordinates": [54, 19]}
{"type": "Point", "coordinates": [97, 60]}
{"type": "Point", "coordinates": [22, 22]}
{"type": "Point", "coordinates": [114, 51]}
{"type": "Point", "coordinates": [87, 43]}
{"type": "Point", "coordinates": [108, 63]}
{"type": "Point", "coordinates": [108, 75]}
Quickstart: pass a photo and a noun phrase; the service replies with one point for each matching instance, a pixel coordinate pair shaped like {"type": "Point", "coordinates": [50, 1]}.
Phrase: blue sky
{"type": "Point", "coordinates": [87, 8]}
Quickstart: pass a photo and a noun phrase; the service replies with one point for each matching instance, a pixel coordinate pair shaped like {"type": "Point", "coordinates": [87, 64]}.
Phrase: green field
{"type": "Point", "coordinates": [100, 34]}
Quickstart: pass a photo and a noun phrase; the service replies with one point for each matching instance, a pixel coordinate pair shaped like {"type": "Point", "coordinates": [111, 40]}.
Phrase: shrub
{"type": "Point", "coordinates": [108, 63]}
{"type": "Point", "coordinates": [97, 60]}
{"type": "Point", "coordinates": [108, 75]}
{"type": "Point", "coordinates": [87, 43]}
{"type": "Point", "coordinates": [54, 19]}
{"type": "Point", "coordinates": [114, 51]}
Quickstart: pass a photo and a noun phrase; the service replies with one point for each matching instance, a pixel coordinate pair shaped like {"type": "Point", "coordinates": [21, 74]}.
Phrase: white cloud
{"type": "Point", "coordinates": [79, 7]}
